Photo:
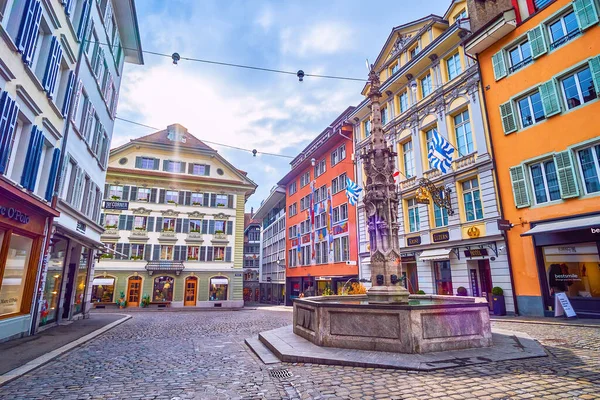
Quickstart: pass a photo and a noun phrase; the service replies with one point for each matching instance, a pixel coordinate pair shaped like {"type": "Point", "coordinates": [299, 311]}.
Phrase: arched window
{"type": "Point", "coordinates": [218, 288]}
{"type": "Point", "coordinates": [163, 289]}
{"type": "Point", "coordinates": [103, 289]}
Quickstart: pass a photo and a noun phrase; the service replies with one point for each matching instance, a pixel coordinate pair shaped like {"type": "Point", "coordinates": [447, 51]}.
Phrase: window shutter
{"type": "Point", "coordinates": [129, 224]}
{"type": "Point", "coordinates": [209, 253]}
{"type": "Point", "coordinates": [227, 254]}
{"type": "Point", "coordinates": [183, 253]}
{"type": "Point", "coordinates": [119, 249]}
{"type": "Point", "coordinates": [165, 164]}
{"type": "Point", "coordinates": [125, 196]}
{"type": "Point", "coordinates": [156, 164]}
{"type": "Point", "coordinates": [147, 252]}
{"type": "Point", "coordinates": [126, 250]}
{"type": "Point", "coordinates": [133, 193]}
{"type": "Point", "coordinates": [158, 226]}
{"type": "Point", "coordinates": [537, 41]}
{"type": "Point", "coordinates": [122, 222]}
{"type": "Point", "coordinates": [499, 65]}
{"type": "Point", "coordinates": [8, 119]}
{"type": "Point", "coordinates": [211, 227]}
{"type": "Point", "coordinates": [182, 167]}
{"type": "Point", "coordinates": [150, 224]}
{"type": "Point", "coordinates": [53, 174]}
{"type": "Point", "coordinates": [156, 252]}
{"type": "Point", "coordinates": [138, 162]}
{"type": "Point", "coordinates": [176, 251]}
{"type": "Point", "coordinates": [85, 11]}
{"type": "Point", "coordinates": [207, 170]}
{"type": "Point", "coordinates": [106, 191]}
{"type": "Point", "coordinates": [206, 201]}
{"type": "Point", "coordinates": [181, 197]}
{"type": "Point", "coordinates": [51, 72]}
{"type": "Point", "coordinates": [186, 225]}
{"type": "Point", "coordinates": [153, 195]}
{"type": "Point", "coordinates": [567, 179]}
{"type": "Point", "coordinates": [28, 30]}
{"type": "Point", "coordinates": [213, 200]}
{"type": "Point", "coordinates": [30, 168]}
{"type": "Point", "coordinates": [178, 226]}
{"type": "Point", "coordinates": [230, 227]}
{"type": "Point", "coordinates": [202, 255]}
{"type": "Point", "coordinates": [76, 101]}
{"type": "Point", "coordinates": [509, 123]}
{"type": "Point", "coordinates": [586, 13]}
{"type": "Point", "coordinates": [161, 196]}
{"type": "Point", "coordinates": [230, 201]}
{"type": "Point", "coordinates": [204, 226]}
{"type": "Point", "coordinates": [549, 97]}
{"type": "Point", "coordinates": [594, 64]}
{"type": "Point", "coordinates": [519, 185]}
{"type": "Point", "coordinates": [102, 219]}
{"type": "Point", "coordinates": [68, 94]}
{"type": "Point", "coordinates": [188, 198]}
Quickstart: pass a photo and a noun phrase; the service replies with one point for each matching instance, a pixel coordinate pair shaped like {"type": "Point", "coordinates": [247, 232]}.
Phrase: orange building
{"type": "Point", "coordinates": [540, 67]}
{"type": "Point", "coordinates": [321, 224]}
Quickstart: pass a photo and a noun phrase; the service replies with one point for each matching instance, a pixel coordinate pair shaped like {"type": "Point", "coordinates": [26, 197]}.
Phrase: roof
{"type": "Point", "coordinates": [162, 137]}
{"type": "Point", "coordinates": [277, 194]}
{"type": "Point", "coordinates": [248, 220]}
{"type": "Point", "coordinates": [129, 31]}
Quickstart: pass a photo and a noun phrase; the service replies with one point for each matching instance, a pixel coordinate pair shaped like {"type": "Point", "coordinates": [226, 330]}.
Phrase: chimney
{"type": "Point", "coordinates": [251, 212]}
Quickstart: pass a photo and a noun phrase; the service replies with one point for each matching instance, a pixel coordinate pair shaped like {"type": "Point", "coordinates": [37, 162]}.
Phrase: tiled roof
{"type": "Point", "coordinates": [161, 137]}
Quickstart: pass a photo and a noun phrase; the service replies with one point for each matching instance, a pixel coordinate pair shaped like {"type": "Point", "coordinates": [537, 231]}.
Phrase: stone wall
{"type": "Point", "coordinates": [483, 11]}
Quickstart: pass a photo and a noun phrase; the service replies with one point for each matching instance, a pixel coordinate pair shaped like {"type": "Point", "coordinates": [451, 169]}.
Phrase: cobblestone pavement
{"type": "Point", "coordinates": [201, 355]}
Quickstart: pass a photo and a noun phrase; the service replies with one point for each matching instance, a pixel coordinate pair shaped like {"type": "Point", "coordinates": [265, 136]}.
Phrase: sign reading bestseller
{"type": "Point", "coordinates": [563, 306]}
{"type": "Point", "coordinates": [116, 205]}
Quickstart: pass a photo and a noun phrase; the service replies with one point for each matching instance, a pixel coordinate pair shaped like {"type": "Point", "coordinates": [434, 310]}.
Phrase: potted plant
{"type": "Point", "coordinates": [219, 232]}
{"type": "Point", "coordinates": [195, 203]}
{"type": "Point", "coordinates": [111, 226]}
{"type": "Point", "coordinates": [135, 258]}
{"type": "Point", "coordinates": [140, 228]}
{"type": "Point", "coordinates": [106, 255]}
{"type": "Point", "coordinates": [121, 302]}
{"type": "Point", "coordinates": [498, 303]}
{"type": "Point", "coordinates": [194, 230]}
{"type": "Point", "coordinates": [461, 291]}
{"type": "Point", "coordinates": [114, 197]}
{"type": "Point", "coordinates": [421, 292]}
{"type": "Point", "coordinates": [145, 300]}
{"type": "Point", "coordinates": [171, 202]}
{"type": "Point", "coordinates": [168, 230]}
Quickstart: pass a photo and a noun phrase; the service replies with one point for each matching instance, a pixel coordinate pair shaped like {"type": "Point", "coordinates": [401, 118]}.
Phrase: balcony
{"type": "Point", "coordinates": [167, 236]}
{"type": "Point", "coordinates": [164, 266]}
{"type": "Point", "coordinates": [432, 174]}
{"type": "Point", "coordinates": [195, 237]}
{"type": "Point", "coordinates": [139, 234]}
{"type": "Point", "coordinates": [110, 233]}
{"type": "Point", "coordinates": [464, 162]}
{"type": "Point", "coordinates": [220, 237]}
{"type": "Point", "coordinates": [409, 183]}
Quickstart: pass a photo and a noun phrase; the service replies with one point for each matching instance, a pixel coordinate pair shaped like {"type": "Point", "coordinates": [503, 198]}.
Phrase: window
{"type": "Point", "coordinates": [367, 128]}
{"type": "Point", "coordinates": [222, 200]}
{"type": "Point", "coordinates": [454, 67]}
{"type": "Point", "coordinates": [139, 222]}
{"type": "Point", "coordinates": [461, 15]}
{"type": "Point", "coordinates": [293, 209]}
{"type": "Point", "coordinates": [304, 203]}
{"type": "Point", "coordinates": [111, 221]}
{"type": "Point", "coordinates": [519, 56]}
{"type": "Point", "coordinates": [531, 110]}
{"type": "Point", "coordinates": [589, 161]}
{"type": "Point", "coordinates": [305, 179]}
{"type": "Point", "coordinates": [168, 225]}
{"type": "Point", "coordinates": [578, 88]}
{"type": "Point", "coordinates": [293, 188]}
{"type": "Point", "coordinates": [414, 51]}
{"type": "Point", "coordinates": [166, 252]}
{"type": "Point", "coordinates": [338, 184]}
{"type": "Point", "coordinates": [193, 253]}
{"type": "Point", "coordinates": [338, 155]}
{"type": "Point", "coordinates": [413, 216]}
{"type": "Point", "coordinates": [462, 129]}
{"type": "Point", "coordinates": [426, 86]}
{"type": "Point", "coordinates": [116, 192]}
{"type": "Point", "coordinates": [195, 225]}
{"type": "Point", "coordinates": [172, 196]}
{"type": "Point", "coordinates": [540, 3]}
{"type": "Point", "coordinates": [200, 169]}
{"type": "Point", "coordinates": [103, 289]}
{"type": "Point", "coordinates": [218, 288]}
{"type": "Point", "coordinates": [197, 199]}
{"type": "Point", "coordinates": [163, 289]}
{"type": "Point", "coordinates": [219, 226]}
{"type": "Point", "coordinates": [137, 252]}
{"type": "Point", "coordinates": [403, 102]}
{"type": "Point", "coordinates": [147, 163]}
{"type": "Point", "coordinates": [408, 159]}
{"type": "Point", "coordinates": [384, 115]}
{"type": "Point", "coordinates": [320, 168]}
{"type": "Point", "coordinates": [174, 166]}
{"type": "Point", "coordinates": [341, 250]}
{"type": "Point", "coordinates": [545, 182]}
{"type": "Point", "coordinates": [563, 30]}
{"type": "Point", "coordinates": [428, 138]}
{"type": "Point", "coordinates": [440, 214]}
{"type": "Point", "coordinates": [219, 253]}
{"type": "Point", "coordinates": [143, 194]}
{"type": "Point", "coordinates": [340, 213]}
{"type": "Point", "coordinates": [394, 68]}
{"type": "Point", "coordinates": [473, 210]}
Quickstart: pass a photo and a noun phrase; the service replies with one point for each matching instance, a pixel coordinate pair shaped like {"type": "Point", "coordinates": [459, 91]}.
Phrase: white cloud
{"type": "Point", "coordinates": [265, 19]}
{"type": "Point", "coordinates": [326, 37]}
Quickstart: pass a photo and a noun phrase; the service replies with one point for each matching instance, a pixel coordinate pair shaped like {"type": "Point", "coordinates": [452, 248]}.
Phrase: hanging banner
{"type": "Point", "coordinates": [340, 228]}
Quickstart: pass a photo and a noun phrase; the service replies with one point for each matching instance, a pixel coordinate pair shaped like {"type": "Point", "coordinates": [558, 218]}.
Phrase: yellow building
{"type": "Point", "coordinates": [174, 224]}
{"type": "Point", "coordinates": [430, 88]}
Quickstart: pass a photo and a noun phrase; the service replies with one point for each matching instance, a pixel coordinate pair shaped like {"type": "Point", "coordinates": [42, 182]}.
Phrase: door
{"type": "Point", "coordinates": [134, 287]}
{"type": "Point", "coordinates": [190, 292]}
{"type": "Point", "coordinates": [443, 277]}
{"type": "Point", "coordinates": [485, 277]}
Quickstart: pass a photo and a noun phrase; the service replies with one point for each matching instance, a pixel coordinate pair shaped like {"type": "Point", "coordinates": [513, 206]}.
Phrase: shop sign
{"type": "Point", "coordinates": [595, 231]}
{"type": "Point", "coordinates": [407, 259]}
{"type": "Point", "coordinates": [413, 241]}
{"type": "Point", "coordinates": [14, 214]}
{"type": "Point", "coordinates": [474, 285]}
{"type": "Point", "coordinates": [504, 225]}
{"type": "Point", "coordinates": [441, 236]}
{"type": "Point", "coordinates": [116, 205]}
{"type": "Point", "coordinates": [237, 274]}
{"type": "Point", "coordinates": [81, 227]}
{"type": "Point", "coordinates": [563, 306]}
{"type": "Point", "coordinates": [476, 253]}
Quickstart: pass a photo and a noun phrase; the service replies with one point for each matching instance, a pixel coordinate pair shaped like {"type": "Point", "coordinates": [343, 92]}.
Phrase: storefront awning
{"type": "Point", "coordinates": [572, 224]}
{"type": "Point", "coordinates": [103, 281]}
{"type": "Point", "coordinates": [435, 255]}
{"type": "Point", "coordinates": [219, 281]}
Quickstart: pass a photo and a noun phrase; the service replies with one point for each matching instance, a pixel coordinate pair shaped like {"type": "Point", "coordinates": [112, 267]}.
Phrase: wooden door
{"type": "Point", "coordinates": [133, 291]}
{"type": "Point", "coordinates": [190, 292]}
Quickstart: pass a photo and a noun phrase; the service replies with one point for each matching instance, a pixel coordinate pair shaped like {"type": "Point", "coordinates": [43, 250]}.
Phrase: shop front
{"type": "Point", "coordinates": [567, 254]}
{"type": "Point", "coordinates": [24, 223]}
{"type": "Point", "coordinates": [272, 293]}
{"type": "Point", "coordinates": [308, 286]}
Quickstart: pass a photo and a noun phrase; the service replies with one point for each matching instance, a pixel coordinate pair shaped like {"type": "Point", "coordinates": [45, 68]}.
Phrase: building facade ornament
{"type": "Point", "coordinates": [141, 211]}
{"type": "Point", "coordinates": [170, 213]}
{"type": "Point", "coordinates": [221, 216]}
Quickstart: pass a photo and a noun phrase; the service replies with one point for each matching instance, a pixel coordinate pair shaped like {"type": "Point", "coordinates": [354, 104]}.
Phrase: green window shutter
{"type": "Point", "coordinates": [537, 41]}
{"type": "Point", "coordinates": [567, 180]}
{"type": "Point", "coordinates": [586, 13]}
{"type": "Point", "coordinates": [520, 192]}
{"type": "Point", "coordinates": [499, 65]}
{"type": "Point", "coordinates": [509, 124]}
{"type": "Point", "coordinates": [549, 97]}
{"type": "Point", "coordinates": [594, 64]}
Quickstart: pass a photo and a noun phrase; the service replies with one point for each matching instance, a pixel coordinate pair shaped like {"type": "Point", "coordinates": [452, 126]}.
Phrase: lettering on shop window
{"type": "Point", "coordinates": [14, 214]}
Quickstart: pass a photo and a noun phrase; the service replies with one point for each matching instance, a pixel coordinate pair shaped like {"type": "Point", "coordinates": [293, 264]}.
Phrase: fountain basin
{"type": "Point", "coordinates": [428, 323]}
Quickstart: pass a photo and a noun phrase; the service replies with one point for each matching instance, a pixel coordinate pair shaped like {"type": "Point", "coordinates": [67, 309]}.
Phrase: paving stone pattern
{"type": "Point", "coordinates": [201, 355]}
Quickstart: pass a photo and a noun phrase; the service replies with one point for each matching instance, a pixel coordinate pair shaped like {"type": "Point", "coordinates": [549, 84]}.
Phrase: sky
{"type": "Point", "coordinates": [268, 112]}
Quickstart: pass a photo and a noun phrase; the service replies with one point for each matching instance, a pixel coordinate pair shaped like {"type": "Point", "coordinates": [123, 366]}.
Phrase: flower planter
{"type": "Point", "coordinates": [498, 304]}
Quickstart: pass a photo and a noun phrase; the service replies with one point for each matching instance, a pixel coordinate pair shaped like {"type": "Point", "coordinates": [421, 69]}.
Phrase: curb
{"type": "Point", "coordinates": [42, 360]}
{"type": "Point", "coordinates": [595, 326]}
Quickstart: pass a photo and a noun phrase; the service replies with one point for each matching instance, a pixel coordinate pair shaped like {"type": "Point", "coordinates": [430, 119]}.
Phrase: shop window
{"type": "Point", "coordinates": [464, 136]}
{"type": "Point", "coordinates": [222, 200]}
{"type": "Point", "coordinates": [519, 56]}
{"type": "Point", "coordinates": [472, 200]}
{"type": "Point", "coordinates": [531, 110]}
{"type": "Point", "coordinates": [218, 288]}
{"type": "Point", "coordinates": [563, 29]}
{"type": "Point", "coordinates": [413, 216]}
{"type": "Point", "coordinates": [103, 290]}
{"type": "Point", "coordinates": [166, 252]}
{"type": "Point", "coordinates": [573, 269]}
{"type": "Point", "coordinates": [578, 88]}
{"type": "Point", "coordinates": [116, 192]}
{"type": "Point", "coordinates": [163, 289]}
{"type": "Point", "coordinates": [219, 253]}
{"type": "Point", "coordinates": [111, 221]}
{"type": "Point", "coordinates": [81, 281]}
{"type": "Point", "coordinates": [197, 199]}
{"type": "Point", "coordinates": [545, 182]}
{"type": "Point", "coordinates": [13, 280]}
{"type": "Point", "coordinates": [589, 163]}
{"type": "Point", "coordinates": [443, 277]}
{"type": "Point", "coordinates": [57, 251]}
{"type": "Point", "coordinates": [193, 253]}
{"type": "Point", "coordinates": [143, 194]}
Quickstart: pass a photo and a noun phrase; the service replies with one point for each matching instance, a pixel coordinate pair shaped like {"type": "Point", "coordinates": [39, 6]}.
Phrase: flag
{"type": "Point", "coordinates": [396, 176]}
{"type": "Point", "coordinates": [299, 250]}
{"type": "Point", "coordinates": [329, 219]}
{"type": "Point", "coordinates": [440, 152]}
{"type": "Point", "coordinates": [352, 191]}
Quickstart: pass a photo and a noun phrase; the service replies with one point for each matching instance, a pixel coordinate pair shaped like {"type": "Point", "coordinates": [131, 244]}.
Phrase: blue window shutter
{"type": "Point", "coordinates": [150, 224]}
{"type": "Point", "coordinates": [133, 194]}
{"type": "Point", "coordinates": [52, 65]}
{"type": "Point", "coordinates": [147, 252]}
{"type": "Point", "coordinates": [228, 254]}
{"type": "Point", "coordinates": [53, 173]}
{"type": "Point", "coordinates": [202, 255]}
{"type": "Point", "coordinates": [211, 226]}
{"type": "Point", "coordinates": [165, 165]}
{"type": "Point", "coordinates": [68, 94]}
{"type": "Point", "coordinates": [207, 170]}
{"type": "Point", "coordinates": [186, 225]}
{"type": "Point", "coordinates": [37, 155]}
{"type": "Point", "coordinates": [122, 221]}
{"type": "Point", "coordinates": [159, 222]}
{"type": "Point", "coordinates": [204, 226]}
{"type": "Point", "coordinates": [209, 253]}
{"type": "Point", "coordinates": [206, 199]}
{"type": "Point", "coordinates": [28, 30]}
{"type": "Point", "coordinates": [176, 253]}
{"type": "Point", "coordinates": [84, 17]}
{"type": "Point", "coordinates": [213, 200]}
{"type": "Point", "coordinates": [28, 168]}
{"type": "Point", "coordinates": [119, 249]}
{"type": "Point", "coordinates": [230, 227]}
{"type": "Point", "coordinates": [125, 193]}
{"type": "Point", "coordinates": [156, 255]}
{"type": "Point", "coordinates": [138, 162]}
{"type": "Point", "coordinates": [102, 219]}
{"type": "Point", "coordinates": [156, 164]}
{"type": "Point", "coordinates": [8, 119]}
{"type": "Point", "coordinates": [129, 223]}
{"type": "Point", "coordinates": [178, 225]}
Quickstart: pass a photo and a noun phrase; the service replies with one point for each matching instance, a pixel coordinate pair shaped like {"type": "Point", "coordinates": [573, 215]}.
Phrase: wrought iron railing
{"type": "Point", "coordinates": [565, 39]}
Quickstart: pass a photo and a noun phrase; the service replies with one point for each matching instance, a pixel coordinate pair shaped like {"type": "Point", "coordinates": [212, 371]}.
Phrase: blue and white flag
{"type": "Point", "coordinates": [352, 191]}
{"type": "Point", "coordinates": [440, 152]}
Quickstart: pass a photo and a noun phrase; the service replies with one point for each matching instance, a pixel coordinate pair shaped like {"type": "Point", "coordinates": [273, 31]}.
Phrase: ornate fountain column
{"type": "Point", "coordinates": [381, 206]}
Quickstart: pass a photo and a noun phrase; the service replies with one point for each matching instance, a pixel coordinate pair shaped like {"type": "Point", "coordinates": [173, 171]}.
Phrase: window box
{"type": "Point", "coordinates": [219, 232]}
{"type": "Point", "coordinates": [171, 202]}
{"type": "Point", "coordinates": [196, 203]}
{"type": "Point", "coordinates": [168, 230]}
{"type": "Point", "coordinates": [115, 197]}
{"type": "Point", "coordinates": [110, 227]}
{"type": "Point", "coordinates": [109, 256]}
{"type": "Point", "coordinates": [140, 228]}
{"type": "Point", "coordinates": [192, 258]}
{"type": "Point", "coordinates": [219, 258]}
{"type": "Point", "coordinates": [194, 230]}
{"type": "Point", "coordinates": [136, 258]}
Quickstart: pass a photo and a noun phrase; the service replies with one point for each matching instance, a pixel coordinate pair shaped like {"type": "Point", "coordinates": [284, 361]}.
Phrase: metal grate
{"type": "Point", "coordinates": [280, 373]}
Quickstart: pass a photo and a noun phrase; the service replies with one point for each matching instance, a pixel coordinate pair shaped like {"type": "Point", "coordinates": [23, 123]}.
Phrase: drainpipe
{"type": "Point", "coordinates": [504, 235]}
